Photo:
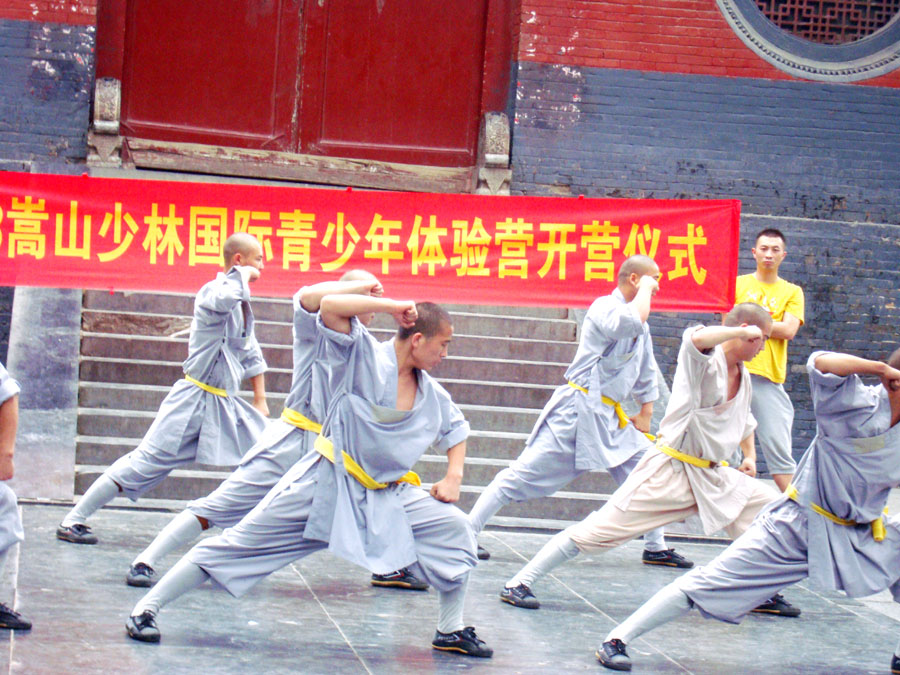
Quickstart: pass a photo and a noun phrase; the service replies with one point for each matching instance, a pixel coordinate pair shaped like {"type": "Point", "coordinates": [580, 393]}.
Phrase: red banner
{"type": "Point", "coordinates": [81, 232]}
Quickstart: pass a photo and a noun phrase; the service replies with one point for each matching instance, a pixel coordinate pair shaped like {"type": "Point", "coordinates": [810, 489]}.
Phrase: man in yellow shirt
{"type": "Point", "coordinates": [771, 406]}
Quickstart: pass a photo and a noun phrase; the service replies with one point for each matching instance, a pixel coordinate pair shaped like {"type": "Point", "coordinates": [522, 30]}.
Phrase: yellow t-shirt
{"type": "Point", "coordinates": [777, 298]}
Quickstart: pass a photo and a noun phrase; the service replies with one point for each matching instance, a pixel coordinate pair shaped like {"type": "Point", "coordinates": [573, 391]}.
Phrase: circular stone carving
{"type": "Point", "coordinates": [868, 57]}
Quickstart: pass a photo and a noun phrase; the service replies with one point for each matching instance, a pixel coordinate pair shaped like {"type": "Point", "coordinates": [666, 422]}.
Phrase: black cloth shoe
{"type": "Point", "coordinates": [483, 553]}
{"type": "Point", "coordinates": [143, 627]}
{"type": "Point", "coordinates": [895, 665]}
{"type": "Point", "coordinates": [463, 641]}
{"type": "Point", "coordinates": [400, 579]}
{"type": "Point", "coordinates": [77, 534]}
{"type": "Point", "coordinates": [140, 575]}
{"type": "Point", "coordinates": [612, 655]}
{"type": "Point", "coordinates": [520, 596]}
{"type": "Point", "coordinates": [777, 605]}
{"type": "Point", "coordinates": [666, 558]}
{"type": "Point", "coordinates": [12, 620]}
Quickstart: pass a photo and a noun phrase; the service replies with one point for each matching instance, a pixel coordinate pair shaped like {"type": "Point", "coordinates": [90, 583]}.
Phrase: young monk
{"type": "Point", "coordinates": [202, 419]}
{"type": "Point", "coordinates": [708, 415]}
{"type": "Point", "coordinates": [352, 494]}
{"type": "Point", "coordinates": [283, 443]}
{"type": "Point", "coordinates": [583, 428]}
{"type": "Point", "coordinates": [827, 526]}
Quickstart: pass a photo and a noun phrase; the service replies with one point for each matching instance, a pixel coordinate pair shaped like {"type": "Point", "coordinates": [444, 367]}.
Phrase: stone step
{"type": "Point", "coordinates": [108, 356]}
{"type": "Point", "coordinates": [271, 309]}
{"type": "Point", "coordinates": [187, 484]}
{"type": "Point", "coordinates": [275, 332]}
{"type": "Point", "coordinates": [473, 392]}
{"type": "Point", "coordinates": [104, 436]}
{"type": "Point", "coordinates": [147, 398]}
{"type": "Point", "coordinates": [554, 355]}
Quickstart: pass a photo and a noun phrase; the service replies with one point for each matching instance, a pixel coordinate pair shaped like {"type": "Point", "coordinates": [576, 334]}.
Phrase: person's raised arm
{"type": "Point", "coordinates": [311, 296]}
{"type": "Point", "coordinates": [708, 337]}
{"type": "Point", "coordinates": [847, 364]}
{"type": "Point", "coordinates": [337, 310]}
{"type": "Point", "coordinates": [647, 285]}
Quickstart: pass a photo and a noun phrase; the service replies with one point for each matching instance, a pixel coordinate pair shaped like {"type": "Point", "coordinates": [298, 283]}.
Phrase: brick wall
{"type": "Point", "coordinates": [669, 36]}
{"type": "Point", "coordinates": [45, 92]}
{"type": "Point", "coordinates": [638, 99]}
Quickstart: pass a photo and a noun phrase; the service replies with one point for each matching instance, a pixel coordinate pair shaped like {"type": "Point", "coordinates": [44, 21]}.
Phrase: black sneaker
{"type": "Point", "coordinates": [463, 641]}
{"type": "Point", "coordinates": [520, 596]}
{"type": "Point", "coordinates": [77, 534]}
{"type": "Point", "coordinates": [895, 665]}
{"type": "Point", "coordinates": [400, 579]}
{"type": "Point", "coordinates": [12, 620]}
{"type": "Point", "coordinates": [143, 627]}
{"type": "Point", "coordinates": [140, 575]}
{"type": "Point", "coordinates": [483, 553]}
{"type": "Point", "coordinates": [777, 605]}
{"type": "Point", "coordinates": [612, 654]}
{"type": "Point", "coordinates": [666, 558]}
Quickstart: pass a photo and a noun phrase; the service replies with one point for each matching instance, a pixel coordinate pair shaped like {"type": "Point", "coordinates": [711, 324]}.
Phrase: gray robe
{"type": "Point", "coordinates": [369, 527]}
{"type": "Point", "coordinates": [281, 445]}
{"type": "Point", "coordinates": [614, 359]}
{"type": "Point", "coordinates": [849, 469]}
{"type": "Point", "coordinates": [222, 352]}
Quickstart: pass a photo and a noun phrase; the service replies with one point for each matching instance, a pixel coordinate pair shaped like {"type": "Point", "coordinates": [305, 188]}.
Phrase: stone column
{"type": "Point", "coordinates": [43, 356]}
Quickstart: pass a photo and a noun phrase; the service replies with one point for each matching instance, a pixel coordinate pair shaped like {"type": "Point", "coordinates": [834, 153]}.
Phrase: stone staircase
{"type": "Point", "coordinates": [504, 363]}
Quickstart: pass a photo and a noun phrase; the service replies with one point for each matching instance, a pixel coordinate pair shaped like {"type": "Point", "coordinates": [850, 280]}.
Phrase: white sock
{"type": "Point", "coordinates": [655, 540]}
{"type": "Point", "coordinates": [490, 501]}
{"type": "Point", "coordinates": [555, 552]}
{"type": "Point", "coordinates": [450, 617]}
{"type": "Point", "coordinates": [184, 577]}
{"type": "Point", "coordinates": [99, 494]}
{"type": "Point", "coordinates": [181, 530]}
{"type": "Point", "coordinates": [668, 604]}
{"type": "Point", "coordinates": [897, 651]}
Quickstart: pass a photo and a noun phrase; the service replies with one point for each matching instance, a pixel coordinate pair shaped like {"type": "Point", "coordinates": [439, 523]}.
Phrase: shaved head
{"type": "Point", "coordinates": [636, 264]}
{"type": "Point", "coordinates": [749, 313]}
{"type": "Point", "coordinates": [431, 321]}
{"type": "Point", "coordinates": [239, 242]}
{"type": "Point", "coordinates": [358, 275]}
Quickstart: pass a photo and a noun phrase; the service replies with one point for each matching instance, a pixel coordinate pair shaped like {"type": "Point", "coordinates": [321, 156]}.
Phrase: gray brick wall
{"type": "Point", "coordinates": [6, 300]}
{"type": "Point", "coordinates": [782, 147]}
{"type": "Point", "coordinates": [45, 90]}
{"type": "Point", "coordinates": [815, 161]}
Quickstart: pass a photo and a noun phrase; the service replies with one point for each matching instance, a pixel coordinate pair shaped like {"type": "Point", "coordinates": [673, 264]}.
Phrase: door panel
{"type": "Point", "coordinates": [211, 72]}
{"type": "Point", "coordinates": [395, 80]}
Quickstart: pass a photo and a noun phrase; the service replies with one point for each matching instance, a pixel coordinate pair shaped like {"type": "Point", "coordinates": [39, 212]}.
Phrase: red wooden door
{"type": "Point", "coordinates": [376, 80]}
{"type": "Point", "coordinates": [394, 80]}
{"type": "Point", "coordinates": [220, 73]}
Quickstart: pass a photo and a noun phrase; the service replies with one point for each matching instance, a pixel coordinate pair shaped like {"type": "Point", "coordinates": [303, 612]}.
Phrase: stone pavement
{"type": "Point", "coordinates": [320, 615]}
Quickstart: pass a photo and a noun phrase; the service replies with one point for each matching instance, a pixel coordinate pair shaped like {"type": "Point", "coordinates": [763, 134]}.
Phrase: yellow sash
{"type": "Point", "coordinates": [206, 387]}
{"type": "Point", "coordinates": [300, 421]}
{"type": "Point", "coordinates": [620, 413]}
{"type": "Point", "coordinates": [326, 448]}
{"type": "Point", "coordinates": [878, 531]}
{"type": "Point", "coordinates": [689, 459]}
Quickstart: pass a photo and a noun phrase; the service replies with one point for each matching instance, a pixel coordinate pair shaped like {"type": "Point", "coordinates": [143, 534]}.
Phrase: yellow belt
{"type": "Point", "coordinates": [689, 459]}
{"type": "Point", "coordinates": [300, 421]}
{"type": "Point", "coordinates": [878, 531]}
{"type": "Point", "coordinates": [326, 448]}
{"type": "Point", "coordinates": [620, 413]}
{"type": "Point", "coordinates": [206, 387]}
